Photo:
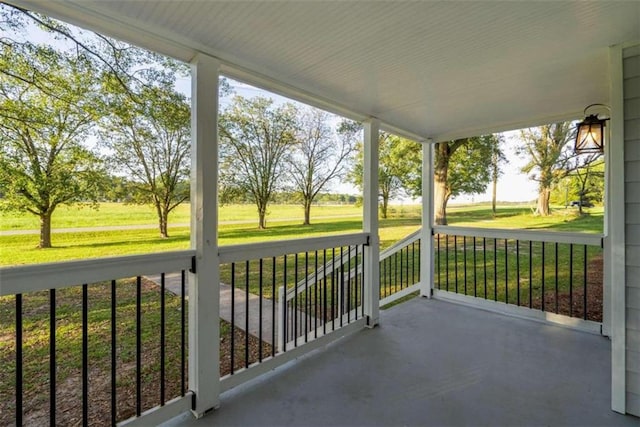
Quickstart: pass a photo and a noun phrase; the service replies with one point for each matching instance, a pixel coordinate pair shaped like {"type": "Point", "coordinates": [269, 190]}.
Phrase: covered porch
{"type": "Point", "coordinates": [425, 361]}
{"type": "Point", "coordinates": [431, 362]}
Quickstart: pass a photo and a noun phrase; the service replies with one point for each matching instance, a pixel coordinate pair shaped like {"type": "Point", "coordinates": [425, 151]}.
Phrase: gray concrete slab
{"type": "Point", "coordinates": [433, 363]}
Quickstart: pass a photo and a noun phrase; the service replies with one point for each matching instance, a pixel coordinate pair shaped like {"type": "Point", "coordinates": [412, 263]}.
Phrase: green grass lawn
{"type": "Point", "coordinates": [110, 214]}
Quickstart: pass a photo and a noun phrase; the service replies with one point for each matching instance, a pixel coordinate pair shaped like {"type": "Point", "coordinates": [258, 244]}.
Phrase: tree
{"type": "Point", "coordinates": [255, 139]}
{"type": "Point", "coordinates": [548, 158]}
{"type": "Point", "coordinates": [497, 158]}
{"type": "Point", "coordinates": [150, 140]}
{"type": "Point", "coordinates": [399, 168]}
{"type": "Point", "coordinates": [48, 106]}
{"type": "Point", "coordinates": [587, 180]}
{"type": "Point", "coordinates": [318, 157]}
{"type": "Point", "coordinates": [462, 166]}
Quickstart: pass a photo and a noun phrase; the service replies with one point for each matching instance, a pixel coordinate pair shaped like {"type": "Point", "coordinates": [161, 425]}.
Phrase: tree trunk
{"type": "Point", "coordinates": [544, 195]}
{"type": "Point", "coordinates": [307, 212]}
{"type": "Point", "coordinates": [45, 230]}
{"type": "Point", "coordinates": [162, 217]}
{"type": "Point", "coordinates": [384, 207]}
{"type": "Point", "coordinates": [440, 200]}
{"type": "Point", "coordinates": [494, 193]}
{"type": "Point", "coordinates": [262, 218]}
{"type": "Point", "coordinates": [164, 220]}
{"type": "Point", "coordinates": [440, 175]}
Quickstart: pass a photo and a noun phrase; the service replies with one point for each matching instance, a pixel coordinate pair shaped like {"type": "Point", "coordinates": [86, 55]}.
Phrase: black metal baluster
{"type": "Point", "coordinates": [475, 271]}
{"type": "Point", "coordinates": [395, 272]}
{"type": "Point", "coordinates": [246, 314]}
{"type": "Point", "coordinates": [584, 296]}
{"type": "Point", "coordinates": [446, 256]}
{"type": "Point", "coordinates": [183, 333]}
{"type": "Point", "coordinates": [403, 278]}
{"type": "Point", "coordinates": [306, 296]}
{"type": "Point", "coordinates": [518, 271]}
{"type": "Point", "coordinates": [295, 302]}
{"type": "Point", "coordinates": [530, 274]}
{"type": "Point", "coordinates": [233, 317]}
{"type": "Point", "coordinates": [406, 266]}
{"type": "Point", "coordinates": [341, 285]}
{"type": "Point", "coordinates": [484, 258]}
{"type": "Point", "coordinates": [438, 257]}
{"type": "Point", "coordinates": [419, 260]}
{"type": "Point", "coordinates": [413, 263]}
{"type": "Point", "coordinates": [355, 288]}
{"type": "Point", "coordinates": [138, 346]}
{"type": "Point", "coordinates": [495, 269]}
{"type": "Point", "coordinates": [455, 260]}
{"type": "Point", "coordinates": [19, 366]}
{"type": "Point", "coordinates": [348, 284]}
{"type": "Point", "coordinates": [315, 297]}
{"type": "Point", "coordinates": [506, 272]}
{"type": "Point", "coordinates": [162, 338]}
{"type": "Point", "coordinates": [260, 292]}
{"type": "Point", "coordinates": [333, 289]}
{"type": "Point", "coordinates": [52, 357]}
{"type": "Point", "coordinates": [543, 262]}
{"type": "Point", "coordinates": [571, 280]}
{"type": "Point", "coordinates": [464, 261]}
{"type": "Point", "coordinates": [274, 293]}
{"type": "Point", "coordinates": [113, 354]}
{"type": "Point", "coordinates": [390, 274]}
{"type": "Point", "coordinates": [324, 292]}
{"type": "Point", "coordinates": [556, 267]}
{"type": "Point", "coordinates": [382, 289]}
{"type": "Point", "coordinates": [85, 355]}
{"type": "Point", "coordinates": [285, 308]}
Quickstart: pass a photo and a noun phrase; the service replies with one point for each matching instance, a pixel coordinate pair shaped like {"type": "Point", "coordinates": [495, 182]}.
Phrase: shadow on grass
{"type": "Point", "coordinates": [470, 215]}
{"type": "Point", "coordinates": [291, 230]}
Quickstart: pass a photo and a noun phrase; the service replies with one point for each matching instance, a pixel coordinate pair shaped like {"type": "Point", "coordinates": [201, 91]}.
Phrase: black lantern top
{"type": "Point", "coordinates": [590, 135]}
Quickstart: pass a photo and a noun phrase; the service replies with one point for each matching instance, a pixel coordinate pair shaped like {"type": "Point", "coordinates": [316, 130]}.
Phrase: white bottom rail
{"type": "Point", "coordinates": [521, 312]}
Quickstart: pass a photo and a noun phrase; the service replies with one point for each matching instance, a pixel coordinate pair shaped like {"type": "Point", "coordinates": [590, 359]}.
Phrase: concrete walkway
{"type": "Point", "coordinates": [269, 320]}
{"type": "Point", "coordinates": [433, 363]}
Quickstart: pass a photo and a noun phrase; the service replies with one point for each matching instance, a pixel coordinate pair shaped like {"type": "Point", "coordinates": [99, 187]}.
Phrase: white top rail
{"type": "Point", "coordinates": [38, 277]}
{"type": "Point", "coordinates": [407, 240]}
{"type": "Point", "coordinates": [235, 253]}
{"type": "Point", "coordinates": [519, 234]}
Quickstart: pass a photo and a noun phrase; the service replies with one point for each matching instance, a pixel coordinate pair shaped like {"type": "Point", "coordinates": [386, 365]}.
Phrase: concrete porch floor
{"type": "Point", "coordinates": [433, 363]}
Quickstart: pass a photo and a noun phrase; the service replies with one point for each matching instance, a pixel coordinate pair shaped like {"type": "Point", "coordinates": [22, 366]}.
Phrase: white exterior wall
{"type": "Point", "coordinates": [631, 95]}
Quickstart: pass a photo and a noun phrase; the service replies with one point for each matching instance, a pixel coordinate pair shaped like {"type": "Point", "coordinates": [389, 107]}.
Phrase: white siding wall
{"type": "Point", "coordinates": [631, 73]}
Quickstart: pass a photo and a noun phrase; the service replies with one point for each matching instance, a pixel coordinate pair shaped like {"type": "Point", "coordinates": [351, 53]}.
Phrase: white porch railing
{"type": "Point", "coordinates": [556, 273]}
{"type": "Point", "coordinates": [137, 332]}
{"type": "Point", "coordinates": [100, 333]}
{"type": "Point", "coordinates": [316, 311]}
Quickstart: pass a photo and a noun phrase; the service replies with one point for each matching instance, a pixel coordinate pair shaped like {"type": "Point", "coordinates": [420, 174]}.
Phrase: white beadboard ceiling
{"type": "Point", "coordinates": [439, 69]}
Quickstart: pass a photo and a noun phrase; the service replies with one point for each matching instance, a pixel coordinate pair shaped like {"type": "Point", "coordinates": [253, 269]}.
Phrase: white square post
{"type": "Point", "coordinates": [204, 282]}
{"type": "Point", "coordinates": [426, 235]}
{"type": "Point", "coordinates": [370, 222]}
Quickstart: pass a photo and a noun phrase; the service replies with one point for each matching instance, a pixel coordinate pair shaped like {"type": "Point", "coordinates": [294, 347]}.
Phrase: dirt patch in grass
{"type": "Point", "coordinates": [572, 303]}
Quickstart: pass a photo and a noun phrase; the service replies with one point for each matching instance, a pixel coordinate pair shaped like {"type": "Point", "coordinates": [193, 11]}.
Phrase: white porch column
{"type": "Point", "coordinates": [426, 236]}
{"type": "Point", "coordinates": [204, 283]}
{"type": "Point", "coordinates": [614, 301]}
{"type": "Point", "coordinates": [370, 222]}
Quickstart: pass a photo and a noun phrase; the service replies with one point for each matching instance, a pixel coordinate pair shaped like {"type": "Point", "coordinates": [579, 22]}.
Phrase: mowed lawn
{"type": "Point", "coordinates": [326, 220]}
